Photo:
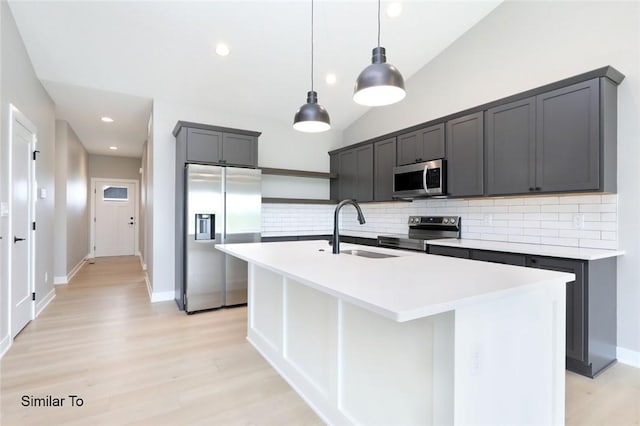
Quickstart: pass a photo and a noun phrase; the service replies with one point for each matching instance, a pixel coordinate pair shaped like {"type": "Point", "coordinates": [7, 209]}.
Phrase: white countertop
{"type": "Point", "coordinates": [410, 286]}
{"type": "Point", "coordinates": [343, 233]}
{"type": "Point", "coordinates": [536, 249]}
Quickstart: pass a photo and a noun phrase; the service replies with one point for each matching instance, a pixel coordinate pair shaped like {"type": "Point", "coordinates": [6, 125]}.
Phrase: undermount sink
{"type": "Point", "coordinates": [369, 254]}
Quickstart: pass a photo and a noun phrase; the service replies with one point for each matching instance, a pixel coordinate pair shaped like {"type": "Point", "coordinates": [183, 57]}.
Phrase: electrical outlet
{"type": "Point", "coordinates": [46, 278]}
{"type": "Point", "coordinates": [578, 221]}
{"type": "Point", "coordinates": [487, 219]}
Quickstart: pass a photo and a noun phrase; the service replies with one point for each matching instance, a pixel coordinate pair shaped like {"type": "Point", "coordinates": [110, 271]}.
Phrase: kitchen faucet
{"type": "Point", "coordinates": [336, 235]}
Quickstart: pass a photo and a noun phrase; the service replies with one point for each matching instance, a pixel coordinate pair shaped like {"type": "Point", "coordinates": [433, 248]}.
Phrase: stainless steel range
{"type": "Point", "coordinates": [422, 229]}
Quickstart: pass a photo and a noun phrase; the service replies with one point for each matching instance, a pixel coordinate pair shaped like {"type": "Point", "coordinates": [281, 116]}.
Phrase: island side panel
{"type": "Point", "coordinates": [509, 359]}
{"type": "Point", "coordinates": [396, 373]}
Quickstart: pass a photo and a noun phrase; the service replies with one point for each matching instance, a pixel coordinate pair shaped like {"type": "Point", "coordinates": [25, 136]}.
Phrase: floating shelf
{"type": "Point", "coordinates": [297, 173]}
{"type": "Point", "coordinates": [270, 200]}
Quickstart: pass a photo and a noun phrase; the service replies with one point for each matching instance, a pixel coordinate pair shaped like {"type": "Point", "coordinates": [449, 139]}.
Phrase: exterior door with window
{"type": "Point", "coordinates": [115, 218]}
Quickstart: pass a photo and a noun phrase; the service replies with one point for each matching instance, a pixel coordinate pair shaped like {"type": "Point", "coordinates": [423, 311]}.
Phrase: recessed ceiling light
{"type": "Point", "coordinates": [331, 78]}
{"type": "Point", "coordinates": [394, 9]}
{"type": "Point", "coordinates": [113, 148]}
{"type": "Point", "coordinates": [107, 119]}
{"type": "Point", "coordinates": [222, 49]}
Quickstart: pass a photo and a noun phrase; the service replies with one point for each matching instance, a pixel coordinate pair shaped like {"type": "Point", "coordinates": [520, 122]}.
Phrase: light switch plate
{"type": "Point", "coordinates": [43, 193]}
{"type": "Point", "coordinates": [4, 209]}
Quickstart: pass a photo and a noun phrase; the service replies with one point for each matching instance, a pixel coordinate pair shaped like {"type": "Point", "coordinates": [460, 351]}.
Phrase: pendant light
{"type": "Point", "coordinates": [380, 83]}
{"type": "Point", "coordinates": [312, 117]}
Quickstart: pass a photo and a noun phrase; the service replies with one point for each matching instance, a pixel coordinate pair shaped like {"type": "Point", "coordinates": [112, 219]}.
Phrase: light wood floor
{"type": "Point", "coordinates": [133, 362]}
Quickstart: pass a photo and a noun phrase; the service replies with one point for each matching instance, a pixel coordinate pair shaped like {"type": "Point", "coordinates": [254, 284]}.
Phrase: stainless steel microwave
{"type": "Point", "coordinates": [420, 180]}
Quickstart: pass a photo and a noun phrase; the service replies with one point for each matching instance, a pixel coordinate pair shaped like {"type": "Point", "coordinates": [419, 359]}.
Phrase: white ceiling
{"type": "Point", "coordinates": [112, 58]}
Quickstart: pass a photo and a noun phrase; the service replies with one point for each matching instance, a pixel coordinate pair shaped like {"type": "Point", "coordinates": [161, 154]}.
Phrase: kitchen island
{"type": "Point", "coordinates": [411, 338]}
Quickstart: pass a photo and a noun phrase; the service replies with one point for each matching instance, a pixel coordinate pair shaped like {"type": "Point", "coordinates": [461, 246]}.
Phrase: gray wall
{"type": "Point", "coordinates": [107, 166]}
{"type": "Point", "coordinates": [20, 87]}
{"type": "Point", "coordinates": [521, 45]}
{"type": "Point", "coordinates": [72, 205]}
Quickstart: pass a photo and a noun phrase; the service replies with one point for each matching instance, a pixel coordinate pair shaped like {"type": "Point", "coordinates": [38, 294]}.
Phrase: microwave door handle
{"type": "Point", "coordinates": [424, 179]}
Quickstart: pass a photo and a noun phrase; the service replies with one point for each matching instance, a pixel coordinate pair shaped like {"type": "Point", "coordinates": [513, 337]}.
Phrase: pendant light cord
{"type": "Point", "coordinates": [378, 23]}
{"type": "Point", "coordinates": [312, 45]}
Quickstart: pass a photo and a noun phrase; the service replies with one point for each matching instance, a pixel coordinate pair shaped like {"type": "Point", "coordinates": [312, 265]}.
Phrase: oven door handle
{"type": "Point", "coordinates": [424, 179]}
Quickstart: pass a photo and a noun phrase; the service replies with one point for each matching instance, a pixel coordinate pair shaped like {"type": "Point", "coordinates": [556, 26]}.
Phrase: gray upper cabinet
{"type": "Point", "coordinates": [568, 148]}
{"type": "Point", "coordinates": [384, 161]}
{"type": "Point", "coordinates": [204, 146]}
{"type": "Point", "coordinates": [421, 145]}
{"type": "Point", "coordinates": [355, 174]}
{"type": "Point", "coordinates": [511, 148]}
{"type": "Point", "coordinates": [465, 155]}
{"type": "Point", "coordinates": [239, 150]}
{"type": "Point", "coordinates": [550, 142]}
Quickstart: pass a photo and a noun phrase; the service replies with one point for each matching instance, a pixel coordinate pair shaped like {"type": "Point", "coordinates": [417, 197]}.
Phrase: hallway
{"type": "Point", "coordinates": [133, 362]}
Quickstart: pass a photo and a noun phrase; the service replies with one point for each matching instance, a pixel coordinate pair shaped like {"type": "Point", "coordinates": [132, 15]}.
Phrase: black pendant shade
{"type": "Point", "coordinates": [380, 83]}
{"type": "Point", "coordinates": [312, 117]}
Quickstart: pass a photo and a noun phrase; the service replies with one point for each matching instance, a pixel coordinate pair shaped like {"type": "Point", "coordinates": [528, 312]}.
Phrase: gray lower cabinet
{"type": "Point", "coordinates": [205, 144]}
{"type": "Point", "coordinates": [384, 157]}
{"type": "Point", "coordinates": [465, 155]}
{"type": "Point", "coordinates": [590, 303]}
{"type": "Point", "coordinates": [558, 141]}
{"type": "Point", "coordinates": [355, 173]}
{"type": "Point", "coordinates": [421, 145]}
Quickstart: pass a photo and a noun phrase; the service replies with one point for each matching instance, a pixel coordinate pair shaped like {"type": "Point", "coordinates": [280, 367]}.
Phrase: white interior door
{"type": "Point", "coordinates": [115, 219]}
{"type": "Point", "coordinates": [22, 145]}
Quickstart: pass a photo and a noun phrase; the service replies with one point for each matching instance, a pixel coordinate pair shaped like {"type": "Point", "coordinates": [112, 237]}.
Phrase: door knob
{"type": "Point", "coordinates": [16, 239]}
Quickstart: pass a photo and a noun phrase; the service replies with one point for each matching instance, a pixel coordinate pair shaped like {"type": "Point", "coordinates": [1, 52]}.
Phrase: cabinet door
{"type": "Point", "coordinates": [409, 148]}
{"type": "Point", "coordinates": [433, 142]}
{"type": "Point", "coordinates": [511, 148]}
{"type": "Point", "coordinates": [567, 149]}
{"type": "Point", "coordinates": [334, 183]}
{"type": "Point", "coordinates": [385, 160]}
{"type": "Point", "coordinates": [204, 146]}
{"type": "Point", "coordinates": [347, 174]}
{"type": "Point", "coordinates": [576, 302]}
{"type": "Point", "coordinates": [461, 253]}
{"type": "Point", "coordinates": [364, 173]}
{"type": "Point", "coordinates": [239, 150]}
{"type": "Point", "coordinates": [499, 257]}
{"type": "Point", "coordinates": [465, 156]}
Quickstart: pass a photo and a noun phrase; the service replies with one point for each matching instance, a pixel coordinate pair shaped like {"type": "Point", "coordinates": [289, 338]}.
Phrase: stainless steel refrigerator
{"type": "Point", "coordinates": [222, 205]}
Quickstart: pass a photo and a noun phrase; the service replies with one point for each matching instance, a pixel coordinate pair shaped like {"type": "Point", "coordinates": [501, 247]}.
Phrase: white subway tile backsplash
{"type": "Point", "coordinates": [557, 208]}
{"type": "Point", "coordinates": [581, 199]}
{"type": "Point", "coordinates": [550, 220]}
{"type": "Point", "coordinates": [541, 200]}
{"type": "Point", "coordinates": [602, 208]}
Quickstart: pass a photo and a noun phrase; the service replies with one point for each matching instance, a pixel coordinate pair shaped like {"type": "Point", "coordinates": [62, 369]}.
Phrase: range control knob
{"type": "Point", "coordinates": [445, 220]}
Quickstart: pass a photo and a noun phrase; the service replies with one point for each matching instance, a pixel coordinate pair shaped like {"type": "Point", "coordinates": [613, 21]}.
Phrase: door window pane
{"type": "Point", "coordinates": [115, 193]}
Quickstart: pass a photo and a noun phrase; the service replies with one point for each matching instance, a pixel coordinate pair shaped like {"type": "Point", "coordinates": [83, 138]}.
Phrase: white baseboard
{"type": "Point", "coordinates": [60, 280]}
{"type": "Point", "coordinates": [629, 357]}
{"type": "Point", "coordinates": [75, 269]}
{"type": "Point", "coordinates": [5, 344]}
{"type": "Point", "coordinates": [142, 264]}
{"type": "Point", "coordinates": [158, 296]}
{"type": "Point", "coordinates": [44, 302]}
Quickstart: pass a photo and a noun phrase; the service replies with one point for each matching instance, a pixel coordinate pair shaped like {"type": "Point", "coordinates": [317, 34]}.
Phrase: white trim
{"type": "Point", "coordinates": [136, 213]}
{"type": "Point", "coordinates": [66, 278]}
{"type": "Point", "coordinates": [75, 269]}
{"type": "Point", "coordinates": [60, 280]}
{"type": "Point", "coordinates": [15, 115]}
{"type": "Point", "coordinates": [159, 296]}
{"type": "Point", "coordinates": [5, 344]}
{"type": "Point", "coordinates": [142, 264]}
{"type": "Point", "coordinates": [628, 356]}
{"type": "Point", "coordinates": [45, 301]}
